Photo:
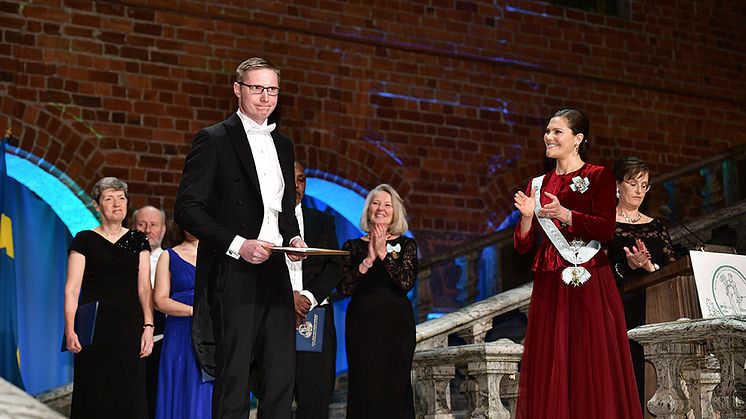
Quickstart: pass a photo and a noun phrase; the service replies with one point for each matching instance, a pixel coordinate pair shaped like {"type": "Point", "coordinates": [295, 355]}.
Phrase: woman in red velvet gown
{"type": "Point", "coordinates": [576, 360]}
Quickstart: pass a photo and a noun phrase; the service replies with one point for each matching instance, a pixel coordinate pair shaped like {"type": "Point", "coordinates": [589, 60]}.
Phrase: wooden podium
{"type": "Point", "coordinates": [670, 294]}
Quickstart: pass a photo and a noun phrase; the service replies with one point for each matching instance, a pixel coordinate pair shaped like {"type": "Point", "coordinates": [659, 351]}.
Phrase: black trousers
{"type": "Point", "coordinates": [315, 373]}
{"type": "Point", "coordinates": [256, 343]}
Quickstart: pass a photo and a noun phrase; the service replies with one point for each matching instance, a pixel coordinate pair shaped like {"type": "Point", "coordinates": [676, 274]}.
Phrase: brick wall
{"type": "Point", "coordinates": [446, 100]}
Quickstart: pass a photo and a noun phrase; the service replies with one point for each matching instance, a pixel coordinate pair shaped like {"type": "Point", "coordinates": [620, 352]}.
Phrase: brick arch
{"type": "Point", "coordinates": [498, 193]}
{"type": "Point", "coordinates": [48, 132]}
{"type": "Point", "coordinates": [359, 162]}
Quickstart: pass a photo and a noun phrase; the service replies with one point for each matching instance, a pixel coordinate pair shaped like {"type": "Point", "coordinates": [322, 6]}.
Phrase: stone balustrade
{"type": "Point", "coordinates": [491, 368]}
{"type": "Point", "coordinates": [699, 366]}
{"type": "Point", "coordinates": [473, 322]}
{"type": "Point", "coordinates": [16, 403]}
{"type": "Point", "coordinates": [491, 379]}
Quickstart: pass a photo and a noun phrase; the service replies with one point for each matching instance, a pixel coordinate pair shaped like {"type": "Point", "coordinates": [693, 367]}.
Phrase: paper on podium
{"type": "Point", "coordinates": [85, 324]}
{"type": "Point", "coordinates": [721, 283]}
{"type": "Point", "coordinates": [308, 251]}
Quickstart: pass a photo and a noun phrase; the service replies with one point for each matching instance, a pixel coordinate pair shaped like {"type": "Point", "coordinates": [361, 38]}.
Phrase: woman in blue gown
{"type": "Point", "coordinates": [182, 392]}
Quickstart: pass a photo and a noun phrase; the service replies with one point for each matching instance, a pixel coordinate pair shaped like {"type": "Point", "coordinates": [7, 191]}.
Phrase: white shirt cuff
{"type": "Point", "coordinates": [235, 247]}
{"type": "Point", "coordinates": [311, 298]}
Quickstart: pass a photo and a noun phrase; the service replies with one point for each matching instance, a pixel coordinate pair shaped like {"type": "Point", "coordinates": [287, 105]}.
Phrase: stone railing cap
{"type": "Point", "coordinates": [688, 330]}
{"type": "Point", "coordinates": [501, 350]}
{"type": "Point", "coordinates": [487, 308]}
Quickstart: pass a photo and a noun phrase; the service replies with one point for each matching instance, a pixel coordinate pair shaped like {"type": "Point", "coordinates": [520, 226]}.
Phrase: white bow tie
{"type": "Point", "coordinates": [260, 129]}
{"type": "Point", "coordinates": [390, 248]}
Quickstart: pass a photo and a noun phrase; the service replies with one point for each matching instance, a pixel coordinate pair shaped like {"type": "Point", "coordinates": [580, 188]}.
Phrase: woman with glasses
{"type": "Point", "coordinates": [641, 245]}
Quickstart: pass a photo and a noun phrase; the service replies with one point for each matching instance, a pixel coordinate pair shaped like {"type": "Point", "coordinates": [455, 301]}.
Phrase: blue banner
{"type": "Point", "coordinates": [9, 358]}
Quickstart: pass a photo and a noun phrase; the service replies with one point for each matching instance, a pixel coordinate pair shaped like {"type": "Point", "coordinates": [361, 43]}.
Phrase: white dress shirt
{"type": "Point", "coordinates": [271, 184]}
{"type": "Point", "coordinates": [154, 255]}
{"type": "Point", "coordinates": [296, 268]}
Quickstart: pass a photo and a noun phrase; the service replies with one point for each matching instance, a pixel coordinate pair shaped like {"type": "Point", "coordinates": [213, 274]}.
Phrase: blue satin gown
{"type": "Point", "coordinates": [181, 390]}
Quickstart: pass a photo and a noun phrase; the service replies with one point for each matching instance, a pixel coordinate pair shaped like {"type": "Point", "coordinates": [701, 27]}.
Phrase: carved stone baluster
{"type": "Point", "coordinates": [424, 294]}
{"type": "Point", "coordinates": [432, 387]}
{"type": "Point", "coordinates": [472, 276]}
{"type": "Point", "coordinates": [509, 392]}
{"type": "Point", "coordinates": [476, 332]}
{"type": "Point", "coordinates": [729, 397]}
{"type": "Point", "coordinates": [669, 400]}
{"type": "Point", "coordinates": [500, 360]}
{"type": "Point", "coordinates": [701, 377]}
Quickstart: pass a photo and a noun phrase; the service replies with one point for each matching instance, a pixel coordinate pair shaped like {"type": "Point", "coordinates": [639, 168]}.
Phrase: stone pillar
{"type": "Point", "coordinates": [472, 277]}
{"type": "Point", "coordinates": [424, 295]}
{"type": "Point", "coordinates": [432, 388]}
{"type": "Point", "coordinates": [476, 332]}
{"type": "Point", "coordinates": [487, 402]}
{"type": "Point", "coordinates": [701, 378]}
{"type": "Point", "coordinates": [489, 364]}
{"type": "Point", "coordinates": [669, 400]}
{"type": "Point", "coordinates": [509, 392]}
{"type": "Point", "coordinates": [729, 397]}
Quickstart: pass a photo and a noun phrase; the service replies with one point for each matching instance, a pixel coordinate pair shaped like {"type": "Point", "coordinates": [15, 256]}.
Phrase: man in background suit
{"type": "Point", "coordinates": [236, 196]}
{"type": "Point", "coordinates": [313, 280]}
{"type": "Point", "coordinates": [152, 221]}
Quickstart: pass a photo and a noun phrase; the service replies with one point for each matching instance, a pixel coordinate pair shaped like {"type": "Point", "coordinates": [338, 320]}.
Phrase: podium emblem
{"type": "Point", "coordinates": [729, 289]}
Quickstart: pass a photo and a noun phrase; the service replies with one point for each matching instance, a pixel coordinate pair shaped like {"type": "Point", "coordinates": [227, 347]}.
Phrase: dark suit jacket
{"type": "Point", "coordinates": [320, 273]}
{"type": "Point", "coordinates": [219, 198]}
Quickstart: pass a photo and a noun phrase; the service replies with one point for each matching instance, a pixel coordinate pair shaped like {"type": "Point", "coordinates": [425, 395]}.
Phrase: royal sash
{"type": "Point", "coordinates": [576, 252]}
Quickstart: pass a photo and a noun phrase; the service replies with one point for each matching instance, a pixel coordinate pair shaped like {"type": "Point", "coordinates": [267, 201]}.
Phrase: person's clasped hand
{"type": "Point", "coordinates": [255, 251]}
{"type": "Point", "coordinates": [297, 242]}
{"type": "Point", "coordinates": [146, 342]}
{"type": "Point", "coordinates": [73, 343]}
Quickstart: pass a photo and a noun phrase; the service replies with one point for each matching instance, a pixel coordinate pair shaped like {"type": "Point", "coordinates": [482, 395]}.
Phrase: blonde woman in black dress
{"type": "Point", "coordinates": [380, 328]}
{"type": "Point", "coordinates": [110, 264]}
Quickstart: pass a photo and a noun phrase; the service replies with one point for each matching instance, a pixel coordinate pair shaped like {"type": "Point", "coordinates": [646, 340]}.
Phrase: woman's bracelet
{"type": "Point", "coordinates": [366, 265]}
{"type": "Point", "coordinates": [148, 325]}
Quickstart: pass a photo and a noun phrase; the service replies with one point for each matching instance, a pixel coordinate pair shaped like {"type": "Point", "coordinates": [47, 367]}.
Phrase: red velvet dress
{"type": "Point", "coordinates": [576, 360]}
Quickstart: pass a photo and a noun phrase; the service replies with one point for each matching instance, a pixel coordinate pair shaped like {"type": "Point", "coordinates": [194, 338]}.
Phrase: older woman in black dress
{"type": "Point", "coordinates": [641, 245]}
{"type": "Point", "coordinates": [380, 269]}
{"type": "Point", "coordinates": [110, 264]}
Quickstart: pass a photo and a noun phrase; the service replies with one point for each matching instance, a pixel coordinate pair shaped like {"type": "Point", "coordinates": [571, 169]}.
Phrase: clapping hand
{"type": "Point", "coordinates": [525, 203]}
{"type": "Point", "coordinates": [553, 209]}
{"type": "Point", "coordinates": [378, 241]}
{"type": "Point", "coordinates": [639, 256]}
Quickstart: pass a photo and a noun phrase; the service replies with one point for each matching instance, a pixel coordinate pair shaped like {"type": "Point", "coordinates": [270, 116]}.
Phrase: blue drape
{"type": "Point", "coordinates": [41, 241]}
{"type": "Point", "coordinates": [9, 369]}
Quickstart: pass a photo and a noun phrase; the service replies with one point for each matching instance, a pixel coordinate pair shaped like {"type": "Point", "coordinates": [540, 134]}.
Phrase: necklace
{"type": "Point", "coordinates": [111, 237]}
{"type": "Point", "coordinates": [629, 219]}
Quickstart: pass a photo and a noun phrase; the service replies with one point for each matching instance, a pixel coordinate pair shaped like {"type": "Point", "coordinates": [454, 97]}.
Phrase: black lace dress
{"type": "Point", "coordinates": [655, 236]}
{"type": "Point", "coordinates": [380, 330]}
